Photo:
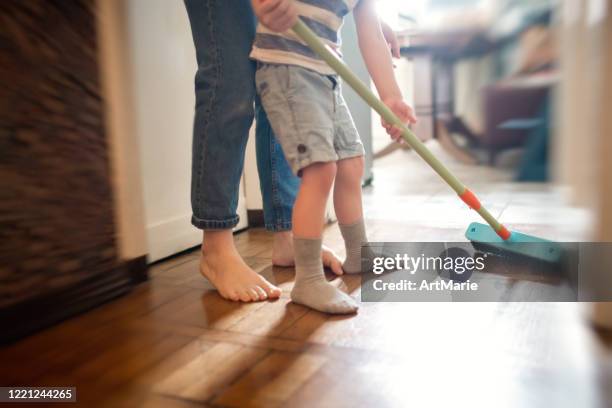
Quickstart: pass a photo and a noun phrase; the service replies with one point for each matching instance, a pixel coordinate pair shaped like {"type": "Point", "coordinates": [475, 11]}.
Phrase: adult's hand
{"type": "Point", "coordinates": [391, 39]}
{"type": "Point", "coordinates": [277, 15]}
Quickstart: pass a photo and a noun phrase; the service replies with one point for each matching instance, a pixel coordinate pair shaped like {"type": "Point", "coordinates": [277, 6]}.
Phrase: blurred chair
{"type": "Point", "coordinates": [511, 110]}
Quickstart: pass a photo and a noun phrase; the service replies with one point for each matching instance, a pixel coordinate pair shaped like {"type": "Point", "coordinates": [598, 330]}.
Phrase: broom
{"type": "Point", "coordinates": [493, 233]}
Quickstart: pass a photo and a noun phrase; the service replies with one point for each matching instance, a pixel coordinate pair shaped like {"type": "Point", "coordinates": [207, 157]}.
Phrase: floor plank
{"type": "Point", "coordinates": [272, 381]}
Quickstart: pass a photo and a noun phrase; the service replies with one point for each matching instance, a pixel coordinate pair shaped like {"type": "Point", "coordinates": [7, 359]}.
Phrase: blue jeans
{"type": "Point", "coordinates": [226, 102]}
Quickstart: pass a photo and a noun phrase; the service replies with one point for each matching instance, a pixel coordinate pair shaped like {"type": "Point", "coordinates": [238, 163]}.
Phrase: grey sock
{"type": "Point", "coordinates": [354, 236]}
{"type": "Point", "coordinates": [311, 288]}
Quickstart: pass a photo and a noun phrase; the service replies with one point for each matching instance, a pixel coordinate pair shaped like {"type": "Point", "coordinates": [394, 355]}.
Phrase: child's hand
{"type": "Point", "coordinates": [403, 111]}
{"type": "Point", "coordinates": [277, 15]}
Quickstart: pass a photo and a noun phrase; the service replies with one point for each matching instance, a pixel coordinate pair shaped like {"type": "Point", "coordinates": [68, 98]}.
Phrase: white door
{"type": "Point", "coordinates": [163, 63]}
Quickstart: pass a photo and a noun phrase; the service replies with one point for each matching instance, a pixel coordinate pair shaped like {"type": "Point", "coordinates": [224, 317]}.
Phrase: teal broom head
{"type": "Point", "coordinates": [518, 243]}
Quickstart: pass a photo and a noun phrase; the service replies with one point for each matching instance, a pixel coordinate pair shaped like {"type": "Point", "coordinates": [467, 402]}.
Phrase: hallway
{"type": "Point", "coordinates": [173, 342]}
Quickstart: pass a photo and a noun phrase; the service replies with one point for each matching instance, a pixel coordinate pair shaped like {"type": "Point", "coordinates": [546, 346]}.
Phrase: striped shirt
{"type": "Point", "coordinates": [324, 17]}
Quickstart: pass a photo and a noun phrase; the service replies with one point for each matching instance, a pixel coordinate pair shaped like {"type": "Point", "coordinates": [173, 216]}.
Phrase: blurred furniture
{"type": "Point", "coordinates": [60, 251]}
{"type": "Point", "coordinates": [534, 162]}
{"type": "Point", "coordinates": [444, 50]}
{"type": "Point", "coordinates": [512, 108]}
{"type": "Point", "coordinates": [512, 97]}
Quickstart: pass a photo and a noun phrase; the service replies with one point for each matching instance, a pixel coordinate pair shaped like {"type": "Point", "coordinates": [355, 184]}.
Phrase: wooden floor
{"type": "Point", "coordinates": [173, 342]}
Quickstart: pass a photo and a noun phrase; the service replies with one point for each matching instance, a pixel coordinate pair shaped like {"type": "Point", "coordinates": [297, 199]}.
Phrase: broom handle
{"type": "Point", "coordinates": [368, 96]}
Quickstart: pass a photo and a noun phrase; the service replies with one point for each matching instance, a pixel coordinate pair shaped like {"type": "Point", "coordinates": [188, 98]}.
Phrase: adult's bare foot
{"type": "Point", "coordinates": [331, 260]}
{"type": "Point", "coordinates": [223, 266]}
{"type": "Point", "coordinates": [282, 249]}
{"type": "Point", "coordinates": [282, 253]}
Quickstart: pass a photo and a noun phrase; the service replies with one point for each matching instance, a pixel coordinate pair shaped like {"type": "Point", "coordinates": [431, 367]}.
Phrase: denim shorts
{"type": "Point", "coordinates": [308, 115]}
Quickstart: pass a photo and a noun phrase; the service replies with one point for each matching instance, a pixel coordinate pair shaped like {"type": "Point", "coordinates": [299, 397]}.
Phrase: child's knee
{"type": "Point", "coordinates": [352, 167]}
{"type": "Point", "coordinates": [321, 174]}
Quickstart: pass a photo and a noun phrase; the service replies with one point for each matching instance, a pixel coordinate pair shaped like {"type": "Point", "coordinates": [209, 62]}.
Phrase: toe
{"type": "Point", "coordinates": [245, 296]}
{"type": "Point", "coordinates": [254, 295]}
{"type": "Point", "coordinates": [233, 296]}
{"type": "Point", "coordinates": [262, 293]}
{"type": "Point", "coordinates": [272, 291]}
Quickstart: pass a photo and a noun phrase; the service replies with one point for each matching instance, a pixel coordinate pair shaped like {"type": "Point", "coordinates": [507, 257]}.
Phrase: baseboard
{"type": "Point", "coordinates": [25, 318]}
{"type": "Point", "coordinates": [137, 269]}
{"type": "Point", "coordinates": [256, 218]}
{"type": "Point", "coordinates": [171, 236]}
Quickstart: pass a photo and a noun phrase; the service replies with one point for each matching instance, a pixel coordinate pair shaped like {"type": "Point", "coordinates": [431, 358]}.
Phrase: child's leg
{"type": "Point", "coordinates": [347, 190]}
{"type": "Point", "coordinates": [349, 210]}
{"type": "Point", "coordinates": [311, 288]}
{"type": "Point", "coordinates": [309, 208]}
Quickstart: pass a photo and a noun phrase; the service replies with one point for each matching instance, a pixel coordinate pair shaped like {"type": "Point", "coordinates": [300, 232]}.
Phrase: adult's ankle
{"type": "Point", "coordinates": [218, 241]}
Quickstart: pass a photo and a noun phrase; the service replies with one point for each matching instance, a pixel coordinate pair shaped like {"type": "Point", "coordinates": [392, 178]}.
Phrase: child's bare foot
{"type": "Point", "coordinates": [234, 280]}
{"type": "Point", "coordinates": [282, 253]}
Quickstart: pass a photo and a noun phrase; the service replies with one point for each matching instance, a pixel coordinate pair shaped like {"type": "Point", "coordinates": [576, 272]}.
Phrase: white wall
{"type": "Point", "coordinates": [251, 177]}
{"type": "Point", "coordinates": [164, 66]}
{"type": "Point", "coordinates": [115, 70]}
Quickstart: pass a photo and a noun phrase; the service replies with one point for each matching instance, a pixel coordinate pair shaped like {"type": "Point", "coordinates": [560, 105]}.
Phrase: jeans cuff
{"type": "Point", "coordinates": [227, 223]}
{"type": "Point", "coordinates": [279, 226]}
